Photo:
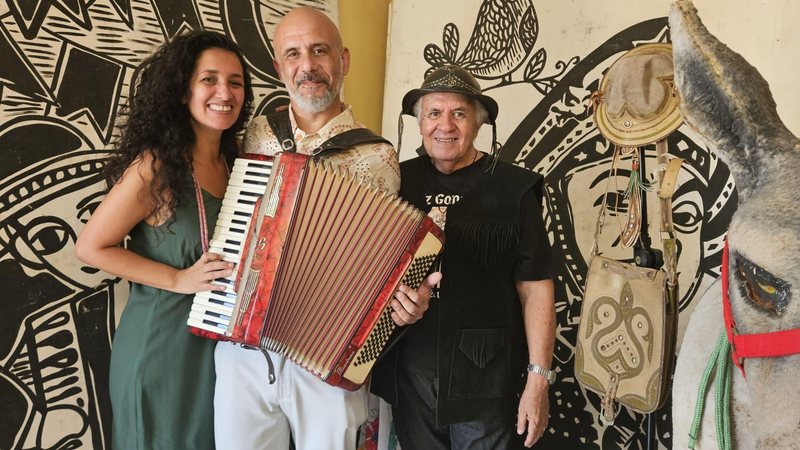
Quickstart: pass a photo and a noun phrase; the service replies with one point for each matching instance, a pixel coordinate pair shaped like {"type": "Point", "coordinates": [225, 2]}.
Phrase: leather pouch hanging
{"type": "Point", "coordinates": [626, 337]}
{"type": "Point", "coordinates": [627, 334]}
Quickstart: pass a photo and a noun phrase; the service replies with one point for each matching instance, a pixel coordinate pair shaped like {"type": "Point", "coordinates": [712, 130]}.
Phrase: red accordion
{"type": "Point", "coordinates": [319, 260]}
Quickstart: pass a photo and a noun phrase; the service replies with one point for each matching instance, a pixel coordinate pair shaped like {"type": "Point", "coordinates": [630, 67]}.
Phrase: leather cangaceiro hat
{"type": "Point", "coordinates": [637, 103]}
{"type": "Point", "coordinates": [454, 79]}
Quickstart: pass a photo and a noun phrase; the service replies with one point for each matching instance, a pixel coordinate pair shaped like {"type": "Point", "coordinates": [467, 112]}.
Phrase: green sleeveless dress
{"type": "Point", "coordinates": [162, 376]}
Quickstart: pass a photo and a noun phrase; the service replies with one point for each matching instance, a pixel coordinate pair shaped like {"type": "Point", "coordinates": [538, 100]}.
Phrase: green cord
{"type": "Point", "coordinates": [722, 406]}
{"type": "Point", "coordinates": [720, 365]}
{"type": "Point", "coordinates": [726, 407]}
{"type": "Point", "coordinates": [701, 396]}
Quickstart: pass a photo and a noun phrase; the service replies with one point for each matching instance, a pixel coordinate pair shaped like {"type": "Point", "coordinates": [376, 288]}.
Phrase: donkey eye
{"type": "Point", "coordinates": [767, 288]}
{"type": "Point", "coordinates": [766, 291]}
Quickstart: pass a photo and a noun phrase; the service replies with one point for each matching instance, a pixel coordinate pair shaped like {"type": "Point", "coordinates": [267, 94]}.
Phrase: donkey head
{"type": "Point", "coordinates": [728, 102]}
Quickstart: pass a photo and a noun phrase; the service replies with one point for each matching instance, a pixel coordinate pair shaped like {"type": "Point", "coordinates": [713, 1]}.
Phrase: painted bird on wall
{"type": "Point", "coordinates": [504, 35]}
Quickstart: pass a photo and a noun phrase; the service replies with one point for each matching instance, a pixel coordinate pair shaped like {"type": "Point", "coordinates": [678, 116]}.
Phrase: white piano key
{"type": "Point", "coordinates": [228, 257]}
{"type": "Point", "coordinates": [233, 190]}
{"type": "Point", "coordinates": [253, 161]}
{"type": "Point", "coordinates": [229, 243]}
{"type": "Point", "coordinates": [250, 178]}
{"type": "Point", "coordinates": [227, 249]}
{"type": "Point", "coordinates": [226, 285]}
{"type": "Point", "coordinates": [234, 217]}
{"type": "Point", "coordinates": [231, 208]}
{"type": "Point", "coordinates": [240, 204]}
{"type": "Point", "coordinates": [232, 226]}
{"type": "Point", "coordinates": [253, 167]}
{"type": "Point", "coordinates": [247, 189]}
{"type": "Point", "coordinates": [199, 320]}
{"type": "Point", "coordinates": [228, 218]}
{"type": "Point", "coordinates": [225, 231]}
{"type": "Point", "coordinates": [230, 233]}
{"type": "Point", "coordinates": [220, 298]}
{"type": "Point", "coordinates": [204, 304]}
{"type": "Point", "coordinates": [227, 239]}
{"type": "Point", "coordinates": [221, 314]}
{"type": "Point", "coordinates": [240, 216]}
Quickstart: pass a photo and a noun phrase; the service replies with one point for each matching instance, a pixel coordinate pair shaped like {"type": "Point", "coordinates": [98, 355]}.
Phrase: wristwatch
{"type": "Point", "coordinates": [549, 375]}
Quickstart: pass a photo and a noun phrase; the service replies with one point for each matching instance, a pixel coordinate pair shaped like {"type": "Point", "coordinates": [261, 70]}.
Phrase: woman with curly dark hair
{"type": "Point", "coordinates": [166, 181]}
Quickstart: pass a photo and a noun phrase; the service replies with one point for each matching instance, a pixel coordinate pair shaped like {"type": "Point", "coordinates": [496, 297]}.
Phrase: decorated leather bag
{"type": "Point", "coordinates": [625, 349]}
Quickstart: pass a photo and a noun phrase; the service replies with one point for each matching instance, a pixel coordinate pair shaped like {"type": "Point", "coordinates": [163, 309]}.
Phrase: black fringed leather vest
{"type": "Point", "coordinates": [482, 352]}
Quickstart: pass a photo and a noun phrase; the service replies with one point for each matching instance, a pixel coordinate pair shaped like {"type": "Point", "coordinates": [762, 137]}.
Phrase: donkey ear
{"type": "Point", "coordinates": [723, 97]}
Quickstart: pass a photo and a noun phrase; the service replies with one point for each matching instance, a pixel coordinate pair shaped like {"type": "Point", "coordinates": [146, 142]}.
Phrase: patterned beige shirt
{"type": "Point", "coordinates": [377, 163]}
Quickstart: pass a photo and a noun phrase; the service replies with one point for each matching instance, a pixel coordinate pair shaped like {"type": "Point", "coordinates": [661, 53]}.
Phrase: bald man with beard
{"type": "Point", "coordinates": [250, 412]}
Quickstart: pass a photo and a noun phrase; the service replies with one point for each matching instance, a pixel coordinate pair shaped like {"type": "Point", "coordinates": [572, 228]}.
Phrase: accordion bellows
{"type": "Point", "coordinates": [323, 257]}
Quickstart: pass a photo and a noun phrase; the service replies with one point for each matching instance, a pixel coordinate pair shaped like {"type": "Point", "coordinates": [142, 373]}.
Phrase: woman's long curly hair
{"type": "Point", "coordinates": [158, 120]}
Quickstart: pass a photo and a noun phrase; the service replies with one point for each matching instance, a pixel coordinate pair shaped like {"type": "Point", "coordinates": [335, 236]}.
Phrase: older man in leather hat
{"type": "Point", "coordinates": [455, 377]}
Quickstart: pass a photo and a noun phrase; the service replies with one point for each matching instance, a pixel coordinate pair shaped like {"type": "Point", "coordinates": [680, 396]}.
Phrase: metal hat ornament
{"type": "Point", "coordinates": [454, 79]}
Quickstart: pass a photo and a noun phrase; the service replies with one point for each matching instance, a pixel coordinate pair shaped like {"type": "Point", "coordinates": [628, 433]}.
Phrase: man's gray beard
{"type": "Point", "coordinates": [318, 104]}
{"type": "Point", "coordinates": [315, 105]}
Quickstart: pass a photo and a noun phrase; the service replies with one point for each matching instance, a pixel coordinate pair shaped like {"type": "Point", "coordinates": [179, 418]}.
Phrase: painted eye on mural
{"type": "Point", "coordinates": [686, 216]}
{"type": "Point", "coordinates": [48, 235]}
{"type": "Point", "coordinates": [766, 291]}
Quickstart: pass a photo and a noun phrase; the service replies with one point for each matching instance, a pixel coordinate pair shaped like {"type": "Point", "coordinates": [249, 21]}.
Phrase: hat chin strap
{"type": "Point", "coordinates": [399, 133]}
{"type": "Point", "coordinates": [495, 150]}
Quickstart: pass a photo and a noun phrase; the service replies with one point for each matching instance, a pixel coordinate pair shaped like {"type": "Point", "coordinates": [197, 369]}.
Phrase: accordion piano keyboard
{"type": "Point", "coordinates": [212, 310]}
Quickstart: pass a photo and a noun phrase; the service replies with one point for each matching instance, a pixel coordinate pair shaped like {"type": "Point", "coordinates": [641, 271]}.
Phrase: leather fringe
{"type": "Point", "coordinates": [484, 241]}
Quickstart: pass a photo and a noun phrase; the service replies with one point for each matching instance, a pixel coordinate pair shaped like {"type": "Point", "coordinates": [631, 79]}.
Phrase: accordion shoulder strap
{"type": "Point", "coordinates": [282, 127]}
{"type": "Point", "coordinates": [349, 139]}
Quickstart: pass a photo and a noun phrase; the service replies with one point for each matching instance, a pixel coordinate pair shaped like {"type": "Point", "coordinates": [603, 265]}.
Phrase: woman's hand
{"type": "Point", "coordinates": [200, 275]}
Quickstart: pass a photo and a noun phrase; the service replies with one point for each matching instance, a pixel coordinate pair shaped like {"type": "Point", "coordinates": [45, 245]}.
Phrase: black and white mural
{"type": "Point", "coordinates": [65, 69]}
{"type": "Point", "coordinates": [542, 60]}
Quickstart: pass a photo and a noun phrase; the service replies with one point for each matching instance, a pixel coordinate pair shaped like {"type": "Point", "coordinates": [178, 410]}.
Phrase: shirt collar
{"type": "Point", "coordinates": [329, 129]}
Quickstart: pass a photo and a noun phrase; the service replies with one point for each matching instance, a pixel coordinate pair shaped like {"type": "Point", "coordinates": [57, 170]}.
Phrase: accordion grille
{"type": "Point", "coordinates": [343, 244]}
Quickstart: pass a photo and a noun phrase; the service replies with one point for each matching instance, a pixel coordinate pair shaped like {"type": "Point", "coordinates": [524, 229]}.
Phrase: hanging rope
{"type": "Point", "coordinates": [720, 365]}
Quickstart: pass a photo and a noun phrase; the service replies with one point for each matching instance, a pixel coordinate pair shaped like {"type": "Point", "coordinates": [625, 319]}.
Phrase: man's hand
{"type": "Point", "coordinates": [409, 305]}
{"type": "Point", "coordinates": [534, 408]}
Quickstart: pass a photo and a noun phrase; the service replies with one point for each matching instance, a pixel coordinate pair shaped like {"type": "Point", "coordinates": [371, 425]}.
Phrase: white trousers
{"type": "Point", "coordinates": [251, 414]}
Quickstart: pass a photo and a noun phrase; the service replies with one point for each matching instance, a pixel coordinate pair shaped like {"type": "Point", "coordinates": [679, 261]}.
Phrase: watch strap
{"type": "Point", "coordinates": [549, 375]}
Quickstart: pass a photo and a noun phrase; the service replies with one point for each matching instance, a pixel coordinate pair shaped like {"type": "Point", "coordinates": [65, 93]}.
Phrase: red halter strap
{"type": "Point", "coordinates": [756, 345]}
